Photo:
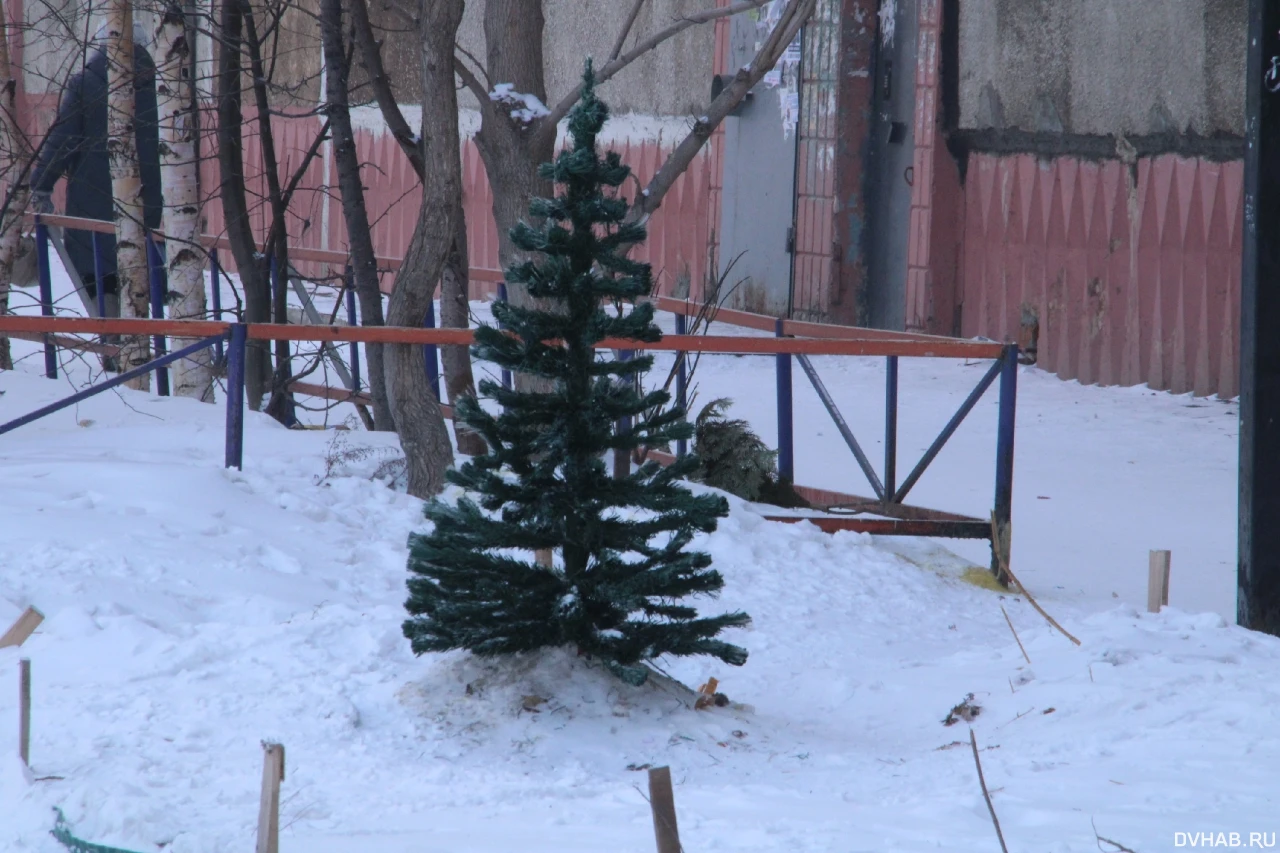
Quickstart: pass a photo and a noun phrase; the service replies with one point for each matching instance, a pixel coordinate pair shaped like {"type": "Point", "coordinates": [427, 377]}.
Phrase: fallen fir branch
{"type": "Point", "coordinates": [1004, 566]}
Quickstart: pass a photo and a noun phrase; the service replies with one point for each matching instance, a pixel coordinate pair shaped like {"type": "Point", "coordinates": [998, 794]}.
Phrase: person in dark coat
{"type": "Point", "coordinates": [76, 149]}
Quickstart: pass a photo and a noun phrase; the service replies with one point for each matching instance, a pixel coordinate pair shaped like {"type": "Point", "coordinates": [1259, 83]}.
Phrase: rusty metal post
{"type": "Point", "coordinates": [855, 119]}
{"type": "Point", "coordinates": [786, 423]}
{"type": "Point", "coordinates": [46, 296]}
{"type": "Point", "coordinates": [1000, 544]}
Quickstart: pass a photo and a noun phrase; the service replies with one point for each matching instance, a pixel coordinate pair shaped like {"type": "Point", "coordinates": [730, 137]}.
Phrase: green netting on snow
{"type": "Point", "coordinates": [62, 832]}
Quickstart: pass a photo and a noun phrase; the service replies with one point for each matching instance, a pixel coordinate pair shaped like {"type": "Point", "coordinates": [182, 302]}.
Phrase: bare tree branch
{"type": "Point", "coordinates": [794, 16]}
{"type": "Point", "coordinates": [626, 30]}
{"type": "Point", "coordinates": [371, 54]}
{"type": "Point", "coordinates": [472, 82]}
{"type": "Point", "coordinates": [611, 68]}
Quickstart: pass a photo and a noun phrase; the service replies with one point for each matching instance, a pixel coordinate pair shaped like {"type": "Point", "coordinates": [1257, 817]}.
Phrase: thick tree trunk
{"type": "Point", "coordinates": [235, 207]}
{"type": "Point", "coordinates": [424, 438]}
{"type": "Point", "coordinates": [512, 149]}
{"type": "Point", "coordinates": [423, 435]}
{"type": "Point", "coordinates": [126, 188]}
{"type": "Point", "coordinates": [15, 152]}
{"type": "Point", "coordinates": [455, 313]}
{"type": "Point", "coordinates": [364, 263]}
{"type": "Point", "coordinates": [454, 284]}
{"type": "Point", "coordinates": [193, 376]}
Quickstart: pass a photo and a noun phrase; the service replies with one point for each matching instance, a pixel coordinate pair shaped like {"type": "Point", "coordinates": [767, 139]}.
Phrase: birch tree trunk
{"type": "Point", "coordinates": [15, 152]}
{"type": "Point", "coordinates": [193, 376]}
{"type": "Point", "coordinates": [126, 188]}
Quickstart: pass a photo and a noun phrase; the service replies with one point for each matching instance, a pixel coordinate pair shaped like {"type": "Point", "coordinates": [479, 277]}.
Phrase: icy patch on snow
{"type": "Point", "coordinates": [526, 108]}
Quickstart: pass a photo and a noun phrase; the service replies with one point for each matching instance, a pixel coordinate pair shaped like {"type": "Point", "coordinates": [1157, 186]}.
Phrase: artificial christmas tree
{"type": "Point", "coordinates": [620, 561]}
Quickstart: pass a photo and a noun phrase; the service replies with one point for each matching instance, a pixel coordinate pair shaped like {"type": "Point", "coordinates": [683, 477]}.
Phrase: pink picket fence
{"type": "Point", "coordinates": [1134, 277]}
{"type": "Point", "coordinates": [679, 232]}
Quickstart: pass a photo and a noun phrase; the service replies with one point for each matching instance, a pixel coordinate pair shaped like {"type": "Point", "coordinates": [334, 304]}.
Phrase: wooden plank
{"type": "Point", "coordinates": [662, 801]}
{"type": "Point", "coordinates": [24, 711]}
{"type": "Point", "coordinates": [797, 328]}
{"type": "Point", "coordinates": [730, 316]}
{"type": "Point", "coordinates": [331, 392]}
{"type": "Point", "coordinates": [92, 326]}
{"type": "Point", "coordinates": [892, 526]}
{"type": "Point", "coordinates": [66, 342]}
{"type": "Point", "coordinates": [269, 807]}
{"type": "Point", "coordinates": [22, 628]}
{"type": "Point", "coordinates": [724, 344]}
{"type": "Point", "coordinates": [343, 395]}
{"type": "Point", "coordinates": [1158, 580]}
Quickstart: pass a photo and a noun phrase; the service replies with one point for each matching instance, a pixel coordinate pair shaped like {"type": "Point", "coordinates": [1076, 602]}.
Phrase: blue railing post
{"type": "Point", "coordinates": [353, 321]}
{"type": "Point", "coordinates": [46, 296]}
{"type": "Point", "coordinates": [431, 355]}
{"type": "Point", "coordinates": [100, 292]}
{"type": "Point", "coordinates": [215, 292]}
{"type": "Point", "coordinates": [155, 265]}
{"type": "Point", "coordinates": [502, 297]}
{"type": "Point", "coordinates": [682, 382]}
{"type": "Point", "coordinates": [890, 427]}
{"type": "Point", "coordinates": [1004, 462]}
{"type": "Point", "coordinates": [235, 395]}
{"type": "Point", "coordinates": [786, 435]}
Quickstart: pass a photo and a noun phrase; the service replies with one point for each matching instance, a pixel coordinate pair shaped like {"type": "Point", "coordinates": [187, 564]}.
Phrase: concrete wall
{"type": "Point", "coordinates": [675, 79]}
{"type": "Point", "coordinates": [1103, 66]}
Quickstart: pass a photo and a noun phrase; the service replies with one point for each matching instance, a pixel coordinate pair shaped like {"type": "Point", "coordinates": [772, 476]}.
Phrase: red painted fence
{"type": "Point", "coordinates": [1134, 274]}
{"type": "Point", "coordinates": [679, 232]}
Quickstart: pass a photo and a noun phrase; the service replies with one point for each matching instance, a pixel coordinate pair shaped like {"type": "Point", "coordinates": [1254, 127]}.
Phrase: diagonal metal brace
{"type": "Point", "coordinates": [93, 390]}
{"type": "Point", "coordinates": [949, 430]}
{"type": "Point", "coordinates": [847, 433]}
{"type": "Point", "coordinates": [313, 315]}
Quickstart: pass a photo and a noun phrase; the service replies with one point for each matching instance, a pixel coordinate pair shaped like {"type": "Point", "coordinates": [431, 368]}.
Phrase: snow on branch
{"type": "Point", "coordinates": [526, 108]}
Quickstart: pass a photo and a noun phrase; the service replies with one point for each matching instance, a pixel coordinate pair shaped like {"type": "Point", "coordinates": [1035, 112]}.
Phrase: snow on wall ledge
{"type": "Point", "coordinates": [1133, 274]}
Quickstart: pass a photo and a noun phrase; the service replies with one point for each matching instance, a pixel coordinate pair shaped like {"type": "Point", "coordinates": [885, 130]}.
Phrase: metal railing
{"type": "Point", "coordinates": [885, 513]}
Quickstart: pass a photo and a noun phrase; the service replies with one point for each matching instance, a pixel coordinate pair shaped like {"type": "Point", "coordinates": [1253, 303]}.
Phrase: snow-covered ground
{"type": "Point", "coordinates": [194, 612]}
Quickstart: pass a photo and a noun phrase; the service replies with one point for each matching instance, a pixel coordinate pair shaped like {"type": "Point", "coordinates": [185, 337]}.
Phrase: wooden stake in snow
{"type": "Point", "coordinates": [24, 711]}
{"type": "Point", "coordinates": [24, 627]}
{"type": "Point", "coordinates": [1158, 580]}
{"type": "Point", "coordinates": [662, 800]}
{"type": "Point", "coordinates": [193, 376]}
{"type": "Point", "coordinates": [269, 811]}
{"type": "Point", "coordinates": [986, 795]}
{"type": "Point", "coordinates": [126, 189]}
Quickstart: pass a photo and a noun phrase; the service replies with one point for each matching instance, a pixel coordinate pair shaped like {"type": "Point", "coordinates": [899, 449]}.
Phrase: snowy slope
{"type": "Point", "coordinates": [194, 612]}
